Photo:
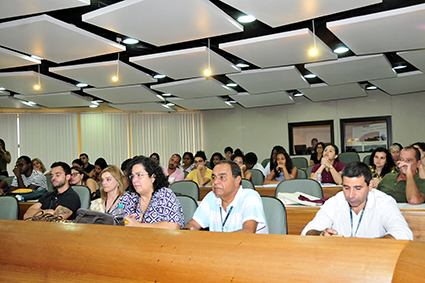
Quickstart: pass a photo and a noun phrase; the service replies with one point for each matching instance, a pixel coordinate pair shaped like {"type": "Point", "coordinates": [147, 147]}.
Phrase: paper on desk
{"type": "Point", "coordinates": [324, 185]}
{"type": "Point", "coordinates": [292, 198]}
{"type": "Point", "coordinates": [270, 185]}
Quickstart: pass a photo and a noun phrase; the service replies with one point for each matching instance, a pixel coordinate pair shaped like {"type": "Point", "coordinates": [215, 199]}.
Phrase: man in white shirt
{"type": "Point", "coordinates": [27, 177]}
{"type": "Point", "coordinates": [251, 160]}
{"type": "Point", "coordinates": [359, 211]}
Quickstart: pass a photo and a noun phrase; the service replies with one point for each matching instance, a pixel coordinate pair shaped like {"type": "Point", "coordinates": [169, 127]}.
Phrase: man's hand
{"type": "Point", "coordinates": [328, 232]}
{"type": "Point", "coordinates": [17, 171]}
{"type": "Point", "coordinates": [404, 167]}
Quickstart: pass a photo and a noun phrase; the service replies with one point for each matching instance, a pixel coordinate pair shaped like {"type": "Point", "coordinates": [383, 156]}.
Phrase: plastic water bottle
{"type": "Point", "coordinates": [119, 215]}
{"type": "Point", "coordinates": [319, 177]}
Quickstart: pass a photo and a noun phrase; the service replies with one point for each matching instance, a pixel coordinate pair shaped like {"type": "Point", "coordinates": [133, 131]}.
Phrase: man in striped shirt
{"type": "Point", "coordinates": [229, 207]}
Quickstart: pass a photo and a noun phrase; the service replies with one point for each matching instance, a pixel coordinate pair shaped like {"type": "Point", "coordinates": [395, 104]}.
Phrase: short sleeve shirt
{"type": "Point", "coordinates": [36, 178]}
{"type": "Point", "coordinates": [193, 175]}
{"type": "Point", "coordinates": [327, 175]}
{"type": "Point", "coordinates": [68, 199]}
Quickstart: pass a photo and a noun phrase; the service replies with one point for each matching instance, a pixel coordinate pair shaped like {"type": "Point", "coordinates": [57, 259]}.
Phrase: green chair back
{"type": "Point", "coordinates": [300, 162]}
{"type": "Point", "coordinates": [265, 162]}
{"type": "Point", "coordinates": [247, 184]}
{"type": "Point", "coordinates": [187, 188]}
{"type": "Point", "coordinates": [308, 171]}
{"type": "Point", "coordinates": [9, 208]}
{"type": "Point", "coordinates": [257, 177]}
{"type": "Point", "coordinates": [308, 186]}
{"type": "Point", "coordinates": [275, 213]}
{"type": "Point", "coordinates": [348, 157]}
{"type": "Point", "coordinates": [84, 194]}
{"type": "Point", "coordinates": [189, 206]}
{"type": "Point", "coordinates": [302, 174]}
{"type": "Point", "coordinates": [366, 159]}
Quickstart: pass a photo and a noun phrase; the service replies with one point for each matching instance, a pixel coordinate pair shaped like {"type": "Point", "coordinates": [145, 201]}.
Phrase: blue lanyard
{"type": "Point", "coordinates": [225, 219]}
{"type": "Point", "coordinates": [358, 224]}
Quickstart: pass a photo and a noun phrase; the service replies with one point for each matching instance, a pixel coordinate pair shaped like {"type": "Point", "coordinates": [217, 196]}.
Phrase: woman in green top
{"type": "Point", "coordinates": [4, 159]}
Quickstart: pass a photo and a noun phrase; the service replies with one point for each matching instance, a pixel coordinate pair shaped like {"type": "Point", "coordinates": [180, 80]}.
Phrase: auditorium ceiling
{"type": "Point", "coordinates": [61, 44]}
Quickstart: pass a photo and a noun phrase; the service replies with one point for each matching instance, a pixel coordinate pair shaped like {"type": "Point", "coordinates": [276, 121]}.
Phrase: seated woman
{"type": "Point", "coordinates": [316, 157]}
{"type": "Point", "coordinates": [239, 159]}
{"type": "Point", "coordinates": [38, 165]}
{"type": "Point", "coordinates": [421, 147]}
{"type": "Point", "coordinates": [188, 162]}
{"type": "Point", "coordinates": [215, 158]}
{"type": "Point", "coordinates": [381, 163]}
{"type": "Point", "coordinates": [201, 174]}
{"type": "Point", "coordinates": [111, 190]}
{"type": "Point", "coordinates": [149, 202]}
{"type": "Point", "coordinates": [269, 167]}
{"type": "Point", "coordinates": [79, 177]}
{"type": "Point", "coordinates": [284, 170]}
{"type": "Point", "coordinates": [395, 149]}
{"type": "Point", "coordinates": [99, 165]}
{"type": "Point", "coordinates": [330, 167]}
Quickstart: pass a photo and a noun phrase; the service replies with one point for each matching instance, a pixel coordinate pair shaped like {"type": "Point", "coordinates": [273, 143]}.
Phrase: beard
{"type": "Point", "coordinates": [59, 185]}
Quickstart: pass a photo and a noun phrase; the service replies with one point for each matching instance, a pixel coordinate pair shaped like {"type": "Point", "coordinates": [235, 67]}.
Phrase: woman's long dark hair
{"type": "Point", "coordinates": [278, 148]}
{"type": "Point", "coordinates": [212, 158]}
{"type": "Point", "coordinates": [288, 164]}
{"type": "Point", "coordinates": [389, 163]}
{"type": "Point", "coordinates": [152, 168]}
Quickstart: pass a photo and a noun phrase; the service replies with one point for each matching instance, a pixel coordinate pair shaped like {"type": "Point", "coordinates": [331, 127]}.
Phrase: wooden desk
{"type": "Point", "coordinates": [23, 207]}
{"type": "Point", "coordinates": [77, 252]}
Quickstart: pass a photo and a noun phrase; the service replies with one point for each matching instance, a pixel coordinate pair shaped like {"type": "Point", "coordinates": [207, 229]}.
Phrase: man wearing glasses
{"type": "Point", "coordinates": [229, 207]}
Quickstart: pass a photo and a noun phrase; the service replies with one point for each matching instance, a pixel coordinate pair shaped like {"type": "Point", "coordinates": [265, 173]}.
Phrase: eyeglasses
{"type": "Point", "coordinates": [74, 174]}
{"type": "Point", "coordinates": [138, 176]}
{"type": "Point", "coordinates": [199, 161]}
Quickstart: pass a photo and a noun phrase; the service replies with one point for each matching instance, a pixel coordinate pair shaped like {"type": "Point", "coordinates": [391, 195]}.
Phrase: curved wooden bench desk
{"type": "Point", "coordinates": [55, 252]}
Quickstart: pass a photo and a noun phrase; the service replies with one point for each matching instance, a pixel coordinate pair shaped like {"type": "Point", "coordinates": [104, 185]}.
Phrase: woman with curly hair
{"type": "Point", "coordinates": [149, 202]}
{"type": "Point", "coordinates": [283, 169]}
{"type": "Point", "coordinates": [381, 163]}
{"type": "Point", "coordinates": [215, 158]}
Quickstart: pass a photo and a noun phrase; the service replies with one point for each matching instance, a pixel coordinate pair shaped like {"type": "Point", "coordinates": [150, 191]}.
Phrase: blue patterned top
{"type": "Point", "coordinates": [281, 177]}
{"type": "Point", "coordinates": [164, 206]}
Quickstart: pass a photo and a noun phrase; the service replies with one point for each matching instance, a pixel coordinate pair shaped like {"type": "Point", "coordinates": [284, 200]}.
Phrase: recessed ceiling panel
{"type": "Point", "coordinates": [11, 59]}
{"type": "Point", "coordinates": [100, 74]}
{"type": "Point", "coordinates": [163, 22]}
{"type": "Point", "coordinates": [282, 12]}
{"type": "Point", "coordinates": [416, 58]}
{"type": "Point", "coordinates": [208, 103]}
{"type": "Point", "coordinates": [125, 94]}
{"type": "Point", "coordinates": [57, 100]}
{"type": "Point", "coordinates": [10, 102]}
{"type": "Point", "coordinates": [195, 88]}
{"type": "Point", "coordinates": [403, 83]}
{"type": "Point", "coordinates": [187, 63]}
{"type": "Point", "coordinates": [266, 99]}
{"type": "Point", "coordinates": [323, 92]}
{"type": "Point", "coordinates": [269, 80]}
{"type": "Point", "coordinates": [23, 83]}
{"type": "Point", "coordinates": [352, 69]}
{"type": "Point", "coordinates": [54, 40]}
{"type": "Point", "coordinates": [154, 107]}
{"type": "Point", "coordinates": [24, 7]}
{"type": "Point", "coordinates": [393, 30]}
{"type": "Point", "coordinates": [280, 49]}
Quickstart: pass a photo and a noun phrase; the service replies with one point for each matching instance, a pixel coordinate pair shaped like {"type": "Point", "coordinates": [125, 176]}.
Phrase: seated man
{"type": "Point", "coordinates": [406, 185]}
{"type": "Point", "coordinates": [201, 174]}
{"type": "Point", "coordinates": [229, 207]}
{"type": "Point", "coordinates": [173, 172]}
{"type": "Point", "coordinates": [27, 177]}
{"type": "Point", "coordinates": [251, 161]}
{"type": "Point", "coordinates": [359, 211]}
{"type": "Point", "coordinates": [63, 201]}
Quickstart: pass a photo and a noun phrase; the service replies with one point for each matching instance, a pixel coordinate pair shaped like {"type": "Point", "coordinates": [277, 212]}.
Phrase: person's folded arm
{"type": "Point", "coordinates": [192, 225]}
{"type": "Point", "coordinates": [249, 226]}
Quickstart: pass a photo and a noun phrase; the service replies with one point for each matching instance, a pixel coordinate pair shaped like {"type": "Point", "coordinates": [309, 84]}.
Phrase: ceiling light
{"type": "Point", "coordinates": [160, 97]}
{"type": "Point", "coordinates": [94, 105]}
{"type": "Point", "coordinates": [159, 76]}
{"type": "Point", "coordinates": [310, 76]}
{"type": "Point", "coordinates": [170, 104]}
{"type": "Point", "coordinates": [81, 85]}
{"type": "Point", "coordinates": [36, 57]}
{"type": "Point", "coordinates": [232, 101]}
{"type": "Point", "coordinates": [371, 87]}
{"type": "Point", "coordinates": [297, 94]}
{"type": "Point", "coordinates": [166, 94]}
{"type": "Point", "coordinates": [313, 51]}
{"type": "Point", "coordinates": [2, 88]}
{"type": "Point", "coordinates": [37, 87]}
{"type": "Point", "coordinates": [130, 41]}
{"type": "Point", "coordinates": [207, 72]}
{"type": "Point", "coordinates": [399, 65]}
{"type": "Point", "coordinates": [242, 65]}
{"type": "Point", "coordinates": [232, 85]}
{"type": "Point", "coordinates": [341, 49]}
{"type": "Point", "coordinates": [246, 19]}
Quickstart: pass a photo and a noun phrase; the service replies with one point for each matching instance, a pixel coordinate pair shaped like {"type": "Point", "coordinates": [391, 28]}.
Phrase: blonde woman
{"type": "Point", "coordinates": [38, 165]}
{"type": "Point", "coordinates": [111, 190]}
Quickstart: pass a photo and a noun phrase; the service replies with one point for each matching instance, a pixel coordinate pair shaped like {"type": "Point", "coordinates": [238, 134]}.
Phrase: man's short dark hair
{"type": "Point", "coordinates": [64, 166]}
{"type": "Point", "coordinates": [251, 158]}
{"type": "Point", "coordinates": [314, 139]}
{"type": "Point", "coordinates": [236, 170]}
{"type": "Point", "coordinates": [84, 154]}
{"type": "Point", "coordinates": [201, 154]}
{"type": "Point", "coordinates": [417, 152]}
{"type": "Point", "coordinates": [26, 159]}
{"type": "Point", "coordinates": [78, 161]}
{"type": "Point", "coordinates": [357, 169]}
{"type": "Point", "coordinates": [228, 148]}
{"type": "Point", "coordinates": [178, 155]}
{"type": "Point", "coordinates": [124, 165]}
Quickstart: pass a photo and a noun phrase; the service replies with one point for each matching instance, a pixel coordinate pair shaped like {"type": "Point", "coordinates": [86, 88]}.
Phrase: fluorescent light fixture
{"type": "Point", "coordinates": [398, 66]}
{"type": "Point", "coordinates": [228, 103]}
{"type": "Point", "coordinates": [310, 76]}
{"type": "Point", "coordinates": [232, 85]}
{"type": "Point", "coordinates": [296, 94]}
{"type": "Point", "coordinates": [160, 97]}
{"type": "Point", "coordinates": [94, 105]}
{"type": "Point", "coordinates": [371, 87]}
{"type": "Point", "coordinates": [36, 57]}
{"type": "Point", "coordinates": [81, 85]}
{"type": "Point", "coordinates": [242, 65]}
{"type": "Point", "coordinates": [159, 76]}
{"type": "Point", "coordinates": [232, 101]}
{"type": "Point", "coordinates": [170, 104]}
{"type": "Point", "coordinates": [2, 88]}
{"type": "Point", "coordinates": [166, 94]}
{"type": "Point", "coordinates": [130, 41]}
{"type": "Point", "coordinates": [246, 19]}
{"type": "Point", "coordinates": [29, 103]}
{"type": "Point", "coordinates": [341, 49]}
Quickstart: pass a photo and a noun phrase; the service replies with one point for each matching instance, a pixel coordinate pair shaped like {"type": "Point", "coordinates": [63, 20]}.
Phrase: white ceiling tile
{"type": "Point", "coordinates": [282, 12]}
{"type": "Point", "coordinates": [195, 88]}
{"type": "Point", "coordinates": [154, 107]}
{"type": "Point", "coordinates": [125, 94]}
{"type": "Point", "coordinates": [23, 83]}
{"type": "Point", "coordinates": [207, 103]}
{"type": "Point", "coordinates": [281, 49]}
{"type": "Point", "coordinates": [268, 80]}
{"type": "Point", "coordinates": [352, 69]}
{"type": "Point", "coordinates": [57, 100]}
{"type": "Point", "coordinates": [325, 93]}
{"type": "Point", "coordinates": [11, 59]}
{"type": "Point", "coordinates": [10, 102]}
{"type": "Point", "coordinates": [186, 63]}
{"type": "Point", "coordinates": [266, 99]}
{"type": "Point", "coordinates": [24, 7]}
{"type": "Point", "coordinates": [416, 58]}
{"type": "Point", "coordinates": [393, 30]}
{"type": "Point", "coordinates": [54, 40]}
{"type": "Point", "coordinates": [403, 83]}
{"type": "Point", "coordinates": [167, 22]}
{"type": "Point", "coordinates": [100, 74]}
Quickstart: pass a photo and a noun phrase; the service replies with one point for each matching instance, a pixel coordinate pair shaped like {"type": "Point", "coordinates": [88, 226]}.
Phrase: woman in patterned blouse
{"type": "Point", "coordinates": [381, 163]}
{"type": "Point", "coordinates": [149, 202]}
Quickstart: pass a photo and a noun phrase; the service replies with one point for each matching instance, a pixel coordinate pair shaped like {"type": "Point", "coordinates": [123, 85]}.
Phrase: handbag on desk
{"type": "Point", "coordinates": [94, 217]}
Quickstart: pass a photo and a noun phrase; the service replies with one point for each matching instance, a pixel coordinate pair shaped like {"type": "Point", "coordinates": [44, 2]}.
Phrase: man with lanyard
{"type": "Point", "coordinates": [359, 210]}
{"type": "Point", "coordinates": [229, 207]}
{"type": "Point", "coordinates": [63, 201]}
